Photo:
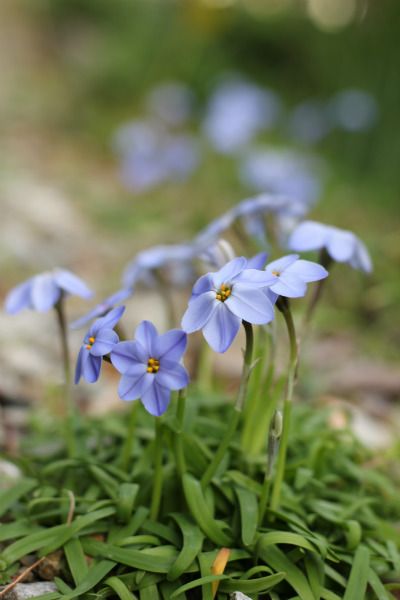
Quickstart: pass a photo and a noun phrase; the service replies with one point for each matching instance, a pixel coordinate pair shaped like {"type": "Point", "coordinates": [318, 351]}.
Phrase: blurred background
{"type": "Point", "coordinates": [130, 123]}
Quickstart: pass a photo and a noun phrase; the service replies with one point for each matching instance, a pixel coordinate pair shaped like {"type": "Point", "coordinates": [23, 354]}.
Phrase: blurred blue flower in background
{"type": "Point", "coordinates": [150, 366]}
{"type": "Point", "coordinates": [43, 291]}
{"type": "Point", "coordinates": [341, 245]}
{"type": "Point", "coordinates": [238, 110]}
{"type": "Point", "coordinates": [353, 110]}
{"type": "Point", "coordinates": [309, 122]}
{"type": "Point", "coordinates": [171, 102]}
{"type": "Point", "coordinates": [283, 172]}
{"type": "Point", "coordinates": [99, 341]}
{"type": "Point", "coordinates": [150, 155]}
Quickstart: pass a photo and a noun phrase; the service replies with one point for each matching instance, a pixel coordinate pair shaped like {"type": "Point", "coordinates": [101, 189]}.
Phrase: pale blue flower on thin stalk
{"type": "Point", "coordinates": [150, 366]}
{"type": "Point", "coordinates": [290, 276]}
{"type": "Point", "coordinates": [98, 342]}
{"type": "Point", "coordinates": [221, 300]}
{"type": "Point", "coordinates": [43, 291]}
{"type": "Point", "coordinates": [341, 245]}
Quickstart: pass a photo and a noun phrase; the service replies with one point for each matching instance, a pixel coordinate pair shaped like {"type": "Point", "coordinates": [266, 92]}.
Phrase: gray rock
{"type": "Point", "coordinates": [30, 590]}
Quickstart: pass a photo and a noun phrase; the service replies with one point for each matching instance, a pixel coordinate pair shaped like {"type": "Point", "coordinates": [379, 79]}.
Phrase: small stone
{"type": "Point", "coordinates": [22, 591]}
{"type": "Point", "coordinates": [239, 596]}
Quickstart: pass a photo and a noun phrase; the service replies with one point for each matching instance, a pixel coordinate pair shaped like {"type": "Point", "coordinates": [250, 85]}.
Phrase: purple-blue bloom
{"type": "Point", "coordinates": [221, 300]}
{"type": "Point", "coordinates": [341, 245]}
{"type": "Point", "coordinates": [102, 308]}
{"type": "Point", "coordinates": [99, 341]}
{"type": "Point", "coordinates": [291, 276]}
{"type": "Point", "coordinates": [150, 366]}
{"type": "Point", "coordinates": [43, 291]}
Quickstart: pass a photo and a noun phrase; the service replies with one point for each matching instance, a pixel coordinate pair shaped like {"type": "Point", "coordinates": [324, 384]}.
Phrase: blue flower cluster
{"type": "Point", "coordinates": [236, 290]}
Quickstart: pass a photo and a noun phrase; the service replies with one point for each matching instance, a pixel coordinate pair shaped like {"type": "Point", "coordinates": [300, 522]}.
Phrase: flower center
{"type": "Point", "coordinates": [90, 342]}
{"type": "Point", "coordinates": [276, 273]}
{"type": "Point", "coordinates": [153, 365]}
{"type": "Point", "coordinates": [224, 292]}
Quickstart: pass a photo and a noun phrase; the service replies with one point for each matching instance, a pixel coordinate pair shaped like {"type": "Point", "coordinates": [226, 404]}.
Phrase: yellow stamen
{"type": "Point", "coordinates": [276, 273]}
{"type": "Point", "coordinates": [153, 365]}
{"type": "Point", "coordinates": [88, 346]}
{"type": "Point", "coordinates": [91, 340]}
{"type": "Point", "coordinates": [223, 293]}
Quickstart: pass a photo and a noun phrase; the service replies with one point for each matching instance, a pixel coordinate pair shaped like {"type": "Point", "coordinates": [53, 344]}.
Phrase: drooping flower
{"type": "Point", "coordinates": [221, 300]}
{"type": "Point", "coordinates": [43, 291]}
{"type": "Point", "coordinates": [291, 276]}
{"type": "Point", "coordinates": [172, 102]}
{"type": "Point", "coordinates": [150, 366]}
{"type": "Point", "coordinates": [174, 259]}
{"type": "Point", "coordinates": [341, 245]}
{"type": "Point", "coordinates": [99, 341]}
{"type": "Point", "coordinates": [102, 308]}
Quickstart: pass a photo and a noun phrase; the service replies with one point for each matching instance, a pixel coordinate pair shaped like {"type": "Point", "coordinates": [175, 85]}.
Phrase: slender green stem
{"type": "Point", "coordinates": [284, 306]}
{"type": "Point", "coordinates": [205, 368]}
{"type": "Point", "coordinates": [237, 411]}
{"type": "Point", "coordinates": [178, 442]}
{"type": "Point", "coordinates": [158, 473]}
{"type": "Point", "coordinates": [68, 403]}
{"type": "Point", "coordinates": [275, 433]}
{"type": "Point", "coordinates": [126, 452]}
{"type": "Point", "coordinates": [326, 261]}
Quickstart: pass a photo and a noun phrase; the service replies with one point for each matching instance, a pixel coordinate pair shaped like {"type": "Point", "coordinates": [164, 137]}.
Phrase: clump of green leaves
{"type": "Point", "coordinates": [335, 534]}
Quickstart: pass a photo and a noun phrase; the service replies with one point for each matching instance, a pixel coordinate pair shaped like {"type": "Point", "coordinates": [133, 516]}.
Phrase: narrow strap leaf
{"type": "Point", "coordinates": [76, 560]}
{"type": "Point", "coordinates": [358, 579]}
{"type": "Point", "coordinates": [191, 547]}
{"type": "Point", "coordinates": [119, 587]}
{"type": "Point", "coordinates": [248, 507]}
{"type": "Point", "coordinates": [10, 496]}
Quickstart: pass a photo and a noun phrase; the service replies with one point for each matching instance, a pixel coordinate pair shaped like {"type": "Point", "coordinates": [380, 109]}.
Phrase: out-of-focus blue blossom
{"type": "Point", "coordinates": [341, 245]}
{"type": "Point", "coordinates": [214, 230]}
{"type": "Point", "coordinates": [150, 366]}
{"type": "Point", "coordinates": [43, 291]}
{"type": "Point", "coordinates": [237, 111]}
{"type": "Point", "coordinates": [221, 300]}
{"type": "Point", "coordinates": [172, 102]}
{"type": "Point", "coordinates": [175, 260]}
{"type": "Point", "coordinates": [291, 276]}
{"type": "Point", "coordinates": [150, 155]}
{"type": "Point", "coordinates": [99, 341]}
{"type": "Point", "coordinates": [102, 308]}
{"type": "Point", "coordinates": [353, 110]}
{"type": "Point", "coordinates": [310, 122]}
{"type": "Point", "coordinates": [284, 173]}
{"type": "Point", "coordinates": [217, 255]}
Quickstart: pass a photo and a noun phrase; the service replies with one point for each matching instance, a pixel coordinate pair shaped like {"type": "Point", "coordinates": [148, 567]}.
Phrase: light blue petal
{"type": "Point", "coordinates": [199, 312]}
{"type": "Point", "coordinates": [19, 298]}
{"type": "Point", "coordinates": [307, 270]}
{"type": "Point", "coordinates": [171, 345]}
{"type": "Point", "coordinates": [282, 263]}
{"type": "Point", "coordinates": [105, 341]}
{"type": "Point", "coordinates": [72, 284]}
{"type": "Point", "coordinates": [132, 387]}
{"type": "Point", "coordinates": [254, 278]}
{"type": "Point", "coordinates": [79, 361]}
{"type": "Point", "coordinates": [289, 285]}
{"type": "Point", "coordinates": [146, 334]}
{"type": "Point", "coordinates": [309, 235]}
{"type": "Point", "coordinates": [91, 366]}
{"type": "Point", "coordinates": [251, 305]}
{"type": "Point", "coordinates": [228, 271]}
{"type": "Point", "coordinates": [222, 328]}
{"type": "Point", "coordinates": [124, 355]}
{"type": "Point", "coordinates": [341, 245]}
{"type": "Point", "coordinates": [172, 375]}
{"type": "Point", "coordinates": [361, 258]}
{"type": "Point", "coordinates": [202, 285]}
{"type": "Point", "coordinates": [258, 261]}
{"type": "Point", "coordinates": [109, 321]}
{"type": "Point", "coordinates": [156, 400]}
{"type": "Point", "coordinates": [45, 292]}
